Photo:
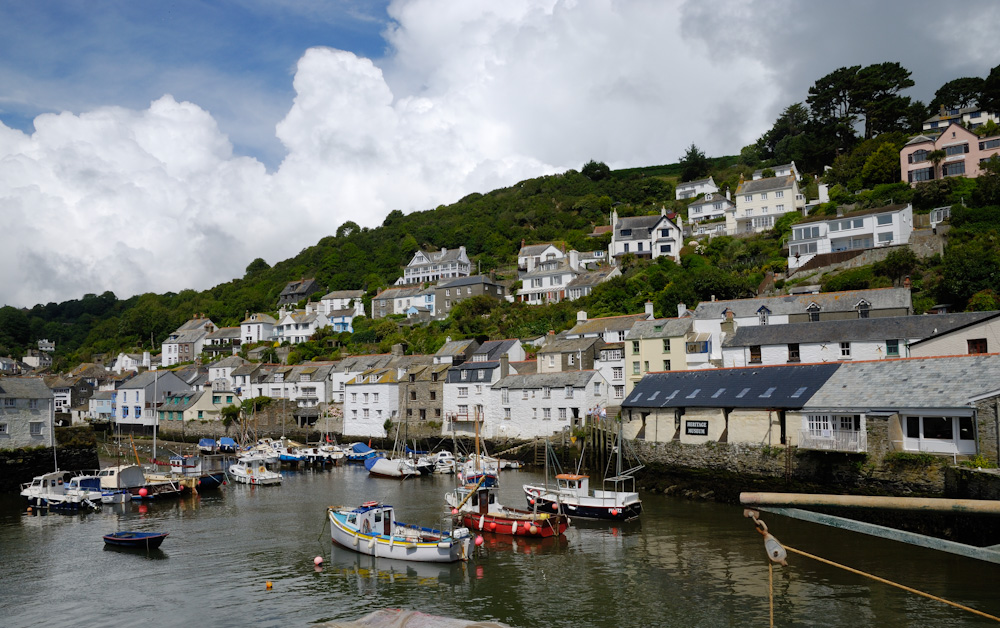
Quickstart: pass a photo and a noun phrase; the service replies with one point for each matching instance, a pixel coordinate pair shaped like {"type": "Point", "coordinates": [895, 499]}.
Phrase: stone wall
{"type": "Point", "coordinates": [19, 466]}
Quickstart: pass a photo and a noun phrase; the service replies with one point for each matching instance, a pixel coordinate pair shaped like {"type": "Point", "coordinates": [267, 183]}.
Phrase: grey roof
{"type": "Point", "coordinates": [225, 332]}
{"type": "Point", "coordinates": [599, 326]}
{"type": "Point", "coordinates": [716, 198]}
{"type": "Point", "coordinates": [195, 323]}
{"type": "Point", "coordinates": [919, 139]}
{"type": "Point", "coordinates": [188, 399]}
{"type": "Point", "coordinates": [301, 286]}
{"type": "Point", "coordinates": [467, 281]}
{"type": "Point", "coordinates": [246, 369]}
{"type": "Point", "coordinates": [988, 316]}
{"type": "Point", "coordinates": [338, 313]}
{"type": "Point", "coordinates": [524, 367]}
{"type": "Point", "coordinates": [534, 249]}
{"type": "Point", "coordinates": [232, 361]}
{"type": "Point", "coordinates": [148, 378]}
{"type": "Point", "coordinates": [855, 329]}
{"type": "Point", "coordinates": [444, 255]}
{"type": "Point", "coordinates": [359, 363]}
{"type": "Point", "coordinates": [889, 385]}
{"type": "Point", "coordinates": [186, 336]}
{"type": "Point", "coordinates": [398, 292]}
{"type": "Point", "coordinates": [660, 328]}
{"type": "Point", "coordinates": [641, 226]}
{"type": "Point", "coordinates": [103, 394]}
{"type": "Point", "coordinates": [576, 379]}
{"type": "Point", "coordinates": [558, 266]}
{"type": "Point", "coordinates": [455, 347]}
{"type": "Point", "coordinates": [569, 345]}
{"type": "Point", "coordinates": [696, 182]}
{"type": "Point", "coordinates": [761, 387]}
{"type": "Point", "coordinates": [879, 298]}
{"type": "Point", "coordinates": [493, 349]}
{"type": "Point", "coordinates": [592, 278]}
{"type": "Point", "coordinates": [24, 388]}
{"type": "Point", "coordinates": [766, 185]}
{"type": "Point", "coordinates": [261, 318]}
{"type": "Point", "coordinates": [344, 294]}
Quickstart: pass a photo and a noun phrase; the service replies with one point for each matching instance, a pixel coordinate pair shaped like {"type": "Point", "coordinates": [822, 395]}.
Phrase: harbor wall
{"type": "Point", "coordinates": [76, 450]}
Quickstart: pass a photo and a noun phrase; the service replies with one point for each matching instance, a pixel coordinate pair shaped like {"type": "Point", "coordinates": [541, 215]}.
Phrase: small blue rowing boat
{"type": "Point", "coordinates": [142, 540]}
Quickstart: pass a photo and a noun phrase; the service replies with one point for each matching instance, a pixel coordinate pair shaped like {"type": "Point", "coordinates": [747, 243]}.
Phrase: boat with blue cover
{"type": "Point", "coordinates": [372, 529]}
{"type": "Point", "coordinates": [359, 452]}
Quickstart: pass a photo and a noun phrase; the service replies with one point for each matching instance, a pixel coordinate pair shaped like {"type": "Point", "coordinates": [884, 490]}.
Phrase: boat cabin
{"type": "Point", "coordinates": [573, 483]}
{"type": "Point", "coordinates": [54, 482]}
{"type": "Point", "coordinates": [123, 476]}
{"type": "Point", "coordinates": [185, 465]}
{"type": "Point", "coordinates": [372, 518]}
{"type": "Point", "coordinates": [84, 483]}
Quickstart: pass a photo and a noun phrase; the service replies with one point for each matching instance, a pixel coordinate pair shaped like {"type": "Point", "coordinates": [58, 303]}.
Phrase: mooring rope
{"type": "Point", "coordinates": [776, 553]}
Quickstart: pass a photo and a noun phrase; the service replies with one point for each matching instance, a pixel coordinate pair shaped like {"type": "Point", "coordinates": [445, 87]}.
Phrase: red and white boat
{"type": "Point", "coordinates": [476, 505]}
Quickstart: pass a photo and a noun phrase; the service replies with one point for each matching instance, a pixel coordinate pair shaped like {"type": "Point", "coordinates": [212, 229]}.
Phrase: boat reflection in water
{"type": "Point", "coordinates": [368, 572]}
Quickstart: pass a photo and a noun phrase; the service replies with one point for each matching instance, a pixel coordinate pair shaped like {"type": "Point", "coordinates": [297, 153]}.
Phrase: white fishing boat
{"type": "Point", "coordinates": [372, 529]}
{"type": "Point", "coordinates": [444, 462]}
{"type": "Point", "coordinates": [89, 487]}
{"type": "Point", "coordinates": [49, 491]}
{"type": "Point", "coordinates": [252, 469]}
{"type": "Point", "coordinates": [394, 468]}
{"type": "Point", "coordinates": [133, 479]}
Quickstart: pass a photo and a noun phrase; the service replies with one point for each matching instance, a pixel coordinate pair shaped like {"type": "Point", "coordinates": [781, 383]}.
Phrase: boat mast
{"type": "Point", "coordinates": [156, 415]}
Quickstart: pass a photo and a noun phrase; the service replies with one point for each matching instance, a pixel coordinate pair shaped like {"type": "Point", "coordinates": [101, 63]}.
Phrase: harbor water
{"type": "Point", "coordinates": [683, 563]}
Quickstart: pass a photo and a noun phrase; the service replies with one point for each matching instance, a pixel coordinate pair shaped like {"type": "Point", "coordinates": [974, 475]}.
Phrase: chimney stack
{"type": "Point", "coordinates": [649, 310]}
{"type": "Point", "coordinates": [681, 310]}
{"type": "Point", "coordinates": [397, 350]}
{"type": "Point", "coordinates": [504, 366]}
{"type": "Point", "coordinates": [581, 317]}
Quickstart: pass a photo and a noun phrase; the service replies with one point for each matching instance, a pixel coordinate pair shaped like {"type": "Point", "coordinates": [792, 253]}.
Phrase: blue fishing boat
{"type": "Point", "coordinates": [208, 446]}
{"type": "Point", "coordinates": [359, 452]}
{"type": "Point", "coordinates": [139, 540]}
{"type": "Point", "coordinates": [227, 445]}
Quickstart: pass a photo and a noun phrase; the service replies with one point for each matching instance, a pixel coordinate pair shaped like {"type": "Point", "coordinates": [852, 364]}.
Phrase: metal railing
{"type": "Point", "coordinates": [834, 440]}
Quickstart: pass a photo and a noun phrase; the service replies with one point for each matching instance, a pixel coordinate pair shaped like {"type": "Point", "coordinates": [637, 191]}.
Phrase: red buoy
{"type": "Point", "coordinates": [143, 492]}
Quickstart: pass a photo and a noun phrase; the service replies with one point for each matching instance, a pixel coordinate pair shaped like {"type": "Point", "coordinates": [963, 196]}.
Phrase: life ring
{"type": "Point", "coordinates": [261, 469]}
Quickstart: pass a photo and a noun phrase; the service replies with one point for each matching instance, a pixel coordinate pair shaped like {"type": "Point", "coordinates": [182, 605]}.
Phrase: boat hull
{"type": "Point", "coordinates": [614, 508]}
{"type": "Point", "coordinates": [137, 540]}
{"type": "Point", "coordinates": [398, 547]}
{"type": "Point", "coordinates": [517, 523]}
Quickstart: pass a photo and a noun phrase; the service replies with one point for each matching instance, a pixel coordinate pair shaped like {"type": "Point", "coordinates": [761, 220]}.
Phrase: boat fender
{"type": "Point", "coordinates": [371, 543]}
{"type": "Point", "coordinates": [354, 541]}
{"type": "Point", "coordinates": [482, 518]}
{"type": "Point", "coordinates": [392, 540]}
{"type": "Point", "coordinates": [533, 530]}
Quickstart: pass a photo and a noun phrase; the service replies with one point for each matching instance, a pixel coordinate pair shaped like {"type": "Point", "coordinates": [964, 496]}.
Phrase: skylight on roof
{"type": "Point", "coordinates": [742, 392]}
{"type": "Point", "coordinates": [694, 393]}
{"type": "Point", "coordinates": [718, 392]}
{"type": "Point", "coordinates": [767, 393]}
{"type": "Point", "coordinates": [798, 393]}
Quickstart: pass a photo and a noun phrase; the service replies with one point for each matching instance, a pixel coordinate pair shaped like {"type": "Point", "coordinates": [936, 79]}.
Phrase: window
{"type": "Point", "coordinates": [506, 413]}
{"type": "Point", "coordinates": [977, 345]}
{"type": "Point", "coordinates": [597, 388]}
{"type": "Point", "coordinates": [763, 196]}
{"type": "Point", "coordinates": [619, 392]}
{"type": "Point", "coordinates": [465, 375]}
{"type": "Point", "coordinates": [625, 232]}
{"type": "Point", "coordinates": [546, 414]}
{"type": "Point", "coordinates": [3, 428]}
{"type": "Point", "coordinates": [763, 209]}
{"type": "Point", "coordinates": [635, 368]}
{"type": "Point", "coordinates": [645, 366]}
{"type": "Point", "coordinates": [635, 346]}
{"type": "Point", "coordinates": [793, 352]}
{"type": "Point", "coordinates": [960, 149]}
{"type": "Point", "coordinates": [364, 397]}
{"type": "Point", "coordinates": [779, 194]}
{"type": "Point", "coordinates": [884, 219]}
{"type": "Point", "coordinates": [666, 365]}
{"type": "Point", "coordinates": [138, 412]}
{"type": "Point", "coordinates": [819, 424]}
{"type": "Point", "coordinates": [524, 394]}
{"type": "Point", "coordinates": [546, 392]}
{"type": "Point", "coordinates": [354, 397]}
{"type": "Point", "coordinates": [216, 399]}
{"type": "Point", "coordinates": [664, 233]}
{"type": "Point", "coordinates": [921, 174]}
{"type": "Point", "coordinates": [748, 198]}
{"type": "Point", "coordinates": [762, 315]}
{"type": "Point", "coordinates": [892, 348]}
{"type": "Point", "coordinates": [666, 345]}
{"type": "Point", "coordinates": [374, 397]}
{"type": "Point", "coordinates": [434, 395]}
{"type": "Point", "coordinates": [664, 248]}
{"type": "Point", "coordinates": [845, 350]}
{"type": "Point", "coordinates": [463, 391]}
{"type": "Point", "coordinates": [755, 354]}
{"type": "Point", "coordinates": [36, 428]}
{"type": "Point", "coordinates": [413, 396]}
{"type": "Point", "coordinates": [989, 144]}
{"type": "Point", "coordinates": [9, 402]}
{"type": "Point", "coordinates": [953, 169]}
{"type": "Point", "coordinates": [505, 395]}
{"type": "Point", "coordinates": [864, 309]}
{"type": "Point", "coordinates": [885, 237]}
{"type": "Point", "coordinates": [33, 404]}
{"type": "Point", "coordinates": [617, 372]}
{"type": "Point", "coordinates": [569, 392]}
{"type": "Point", "coordinates": [806, 233]}
{"type": "Point", "coordinates": [572, 359]}
{"type": "Point", "coordinates": [813, 313]}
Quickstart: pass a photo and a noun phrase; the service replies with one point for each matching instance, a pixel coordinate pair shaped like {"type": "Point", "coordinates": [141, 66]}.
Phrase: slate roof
{"type": "Point", "coordinates": [186, 336]}
{"type": "Point", "coordinates": [246, 369]}
{"type": "Point", "coordinates": [524, 367]}
{"type": "Point", "coordinates": [641, 227]}
{"type": "Point", "coordinates": [972, 321]}
{"type": "Point", "coordinates": [535, 249]}
{"type": "Point", "coordinates": [660, 328]}
{"type": "Point", "coordinates": [889, 385]}
{"type": "Point", "coordinates": [103, 395]}
{"type": "Point", "coordinates": [760, 387]}
{"type": "Point", "coordinates": [592, 278]}
{"type": "Point", "coordinates": [887, 328]}
{"type": "Point", "coordinates": [493, 349]}
{"type": "Point", "coordinates": [606, 324]}
{"type": "Point", "coordinates": [261, 319]}
{"type": "Point", "coordinates": [398, 292]}
{"type": "Point", "coordinates": [224, 333]}
{"type": "Point", "coordinates": [344, 294]}
{"type": "Point", "coordinates": [919, 139]}
{"type": "Point", "coordinates": [559, 266]}
{"type": "Point", "coordinates": [689, 184]}
{"type": "Point", "coordinates": [864, 212]}
{"type": "Point", "coordinates": [232, 361]}
{"type": "Point", "coordinates": [879, 298]}
{"type": "Point", "coordinates": [302, 287]}
{"type": "Point", "coordinates": [24, 388]}
{"type": "Point", "coordinates": [569, 345]}
{"type": "Point", "coordinates": [146, 378]}
{"type": "Point", "coordinates": [195, 324]}
{"type": "Point", "coordinates": [187, 400]}
{"type": "Point", "coordinates": [348, 313]}
{"type": "Point", "coordinates": [766, 185]}
{"type": "Point", "coordinates": [356, 363]}
{"type": "Point", "coordinates": [576, 379]}
{"type": "Point", "coordinates": [467, 281]}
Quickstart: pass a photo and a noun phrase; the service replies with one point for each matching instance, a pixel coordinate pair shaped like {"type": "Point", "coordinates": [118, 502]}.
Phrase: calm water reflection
{"type": "Point", "coordinates": [683, 564]}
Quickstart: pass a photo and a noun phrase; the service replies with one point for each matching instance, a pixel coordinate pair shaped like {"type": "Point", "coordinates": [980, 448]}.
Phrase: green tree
{"type": "Point", "coordinates": [791, 123]}
{"type": "Point", "coordinates": [969, 268]}
{"type": "Point", "coordinates": [832, 102]}
{"type": "Point", "coordinates": [989, 98]}
{"type": "Point", "coordinates": [984, 301]}
{"type": "Point", "coordinates": [596, 170]}
{"type": "Point", "coordinates": [936, 157]}
{"type": "Point", "coordinates": [347, 229]}
{"type": "Point", "coordinates": [899, 263]}
{"type": "Point", "coordinates": [255, 268]}
{"type": "Point", "coordinates": [694, 164]}
{"type": "Point", "coordinates": [876, 92]}
{"type": "Point", "coordinates": [882, 166]}
{"type": "Point", "coordinates": [958, 93]}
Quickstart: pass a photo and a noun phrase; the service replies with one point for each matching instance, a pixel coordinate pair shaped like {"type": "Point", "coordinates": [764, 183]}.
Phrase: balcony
{"type": "Point", "coordinates": [834, 440]}
{"type": "Point", "coordinates": [465, 417]}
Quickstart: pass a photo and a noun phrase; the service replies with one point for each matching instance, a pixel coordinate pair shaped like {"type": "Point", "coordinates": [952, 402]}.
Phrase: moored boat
{"type": "Point", "coordinates": [227, 445]}
{"type": "Point", "coordinates": [251, 469]}
{"type": "Point", "coordinates": [133, 479]}
{"type": "Point", "coordinates": [372, 529]}
{"type": "Point", "coordinates": [207, 446]}
{"type": "Point", "coordinates": [49, 491]}
{"type": "Point", "coordinates": [573, 496]}
{"type": "Point", "coordinates": [138, 540]}
{"type": "Point", "coordinates": [479, 509]}
{"type": "Point", "coordinates": [359, 452]}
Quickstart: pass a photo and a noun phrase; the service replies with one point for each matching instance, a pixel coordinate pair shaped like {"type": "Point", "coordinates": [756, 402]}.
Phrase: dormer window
{"type": "Point", "coordinates": [625, 233]}
{"type": "Point", "coordinates": [864, 307]}
{"type": "Point", "coordinates": [813, 312]}
{"type": "Point", "coordinates": [762, 315]}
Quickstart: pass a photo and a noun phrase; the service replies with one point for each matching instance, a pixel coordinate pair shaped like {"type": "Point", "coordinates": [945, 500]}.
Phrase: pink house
{"type": "Point", "coordinates": [964, 150]}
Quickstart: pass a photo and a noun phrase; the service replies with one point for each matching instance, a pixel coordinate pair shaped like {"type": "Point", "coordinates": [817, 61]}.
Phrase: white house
{"type": "Point", "coordinates": [692, 189]}
{"type": "Point", "coordinates": [466, 389]}
{"type": "Point", "coordinates": [298, 325]}
{"type": "Point", "coordinates": [433, 266]}
{"type": "Point", "coordinates": [136, 400]}
{"type": "Point", "coordinates": [308, 385]}
{"type": "Point", "coordinates": [370, 399]}
{"type": "Point", "coordinates": [761, 202]}
{"type": "Point", "coordinates": [131, 362]}
{"type": "Point", "coordinates": [257, 328]}
{"type": "Point", "coordinates": [343, 300]}
{"type": "Point", "coordinates": [350, 367]}
{"type": "Point", "coordinates": [222, 370]}
{"type": "Point", "coordinates": [530, 256]}
{"type": "Point", "coordinates": [856, 231]}
{"type": "Point", "coordinates": [838, 340]}
{"type": "Point", "coordinates": [784, 170]}
{"type": "Point", "coordinates": [27, 414]}
{"type": "Point", "coordinates": [548, 281]}
{"type": "Point", "coordinates": [710, 316]}
{"type": "Point", "coordinates": [99, 406]}
{"type": "Point", "coordinates": [186, 343]}
{"type": "Point", "coordinates": [645, 237]}
{"type": "Point", "coordinates": [397, 299]}
{"type": "Point", "coordinates": [542, 404]}
{"type": "Point", "coordinates": [584, 283]}
{"type": "Point", "coordinates": [711, 207]}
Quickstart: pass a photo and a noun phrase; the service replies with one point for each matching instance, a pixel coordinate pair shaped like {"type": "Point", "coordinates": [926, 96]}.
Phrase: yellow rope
{"type": "Point", "coordinates": [883, 581]}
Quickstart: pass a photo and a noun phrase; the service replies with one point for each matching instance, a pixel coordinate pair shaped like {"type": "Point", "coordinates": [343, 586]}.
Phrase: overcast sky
{"type": "Point", "coordinates": [159, 146]}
